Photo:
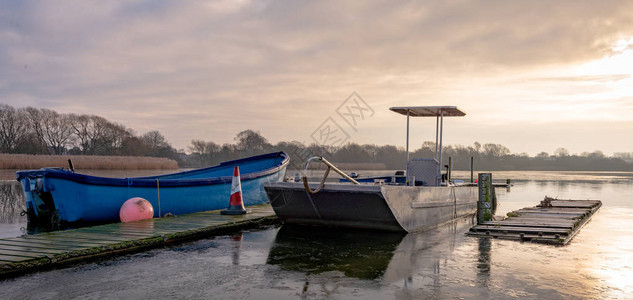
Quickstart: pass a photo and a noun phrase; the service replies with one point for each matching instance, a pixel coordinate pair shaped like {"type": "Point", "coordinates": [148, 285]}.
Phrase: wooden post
{"type": "Point", "coordinates": [450, 168]}
{"type": "Point", "coordinates": [484, 205]}
{"type": "Point", "coordinates": [472, 180]}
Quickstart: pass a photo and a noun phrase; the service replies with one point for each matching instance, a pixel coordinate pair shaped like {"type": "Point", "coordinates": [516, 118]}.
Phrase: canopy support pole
{"type": "Point", "coordinates": [440, 149]}
{"type": "Point", "coordinates": [407, 141]}
{"type": "Point", "coordinates": [437, 128]}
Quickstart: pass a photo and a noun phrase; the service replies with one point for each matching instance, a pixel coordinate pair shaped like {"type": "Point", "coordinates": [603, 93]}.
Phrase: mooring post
{"type": "Point", "coordinates": [450, 168]}
{"type": "Point", "coordinates": [471, 170]}
{"type": "Point", "coordinates": [484, 205]}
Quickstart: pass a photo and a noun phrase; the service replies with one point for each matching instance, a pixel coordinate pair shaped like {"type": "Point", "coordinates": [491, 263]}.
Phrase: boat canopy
{"type": "Point", "coordinates": [430, 111]}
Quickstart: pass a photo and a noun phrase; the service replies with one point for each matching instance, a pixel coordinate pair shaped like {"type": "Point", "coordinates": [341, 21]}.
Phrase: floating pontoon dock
{"type": "Point", "coordinates": [556, 224]}
{"type": "Point", "coordinates": [49, 250]}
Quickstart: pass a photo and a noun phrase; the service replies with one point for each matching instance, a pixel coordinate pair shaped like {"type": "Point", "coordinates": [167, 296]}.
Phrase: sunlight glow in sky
{"type": "Point", "coordinates": [616, 70]}
{"type": "Point", "coordinates": [619, 62]}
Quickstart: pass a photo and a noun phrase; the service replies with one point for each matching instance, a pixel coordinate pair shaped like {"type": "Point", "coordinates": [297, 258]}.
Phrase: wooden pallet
{"type": "Point", "coordinates": [556, 224]}
{"type": "Point", "coordinates": [45, 250]}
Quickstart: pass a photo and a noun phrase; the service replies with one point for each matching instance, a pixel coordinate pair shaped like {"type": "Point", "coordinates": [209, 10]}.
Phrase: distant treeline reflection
{"type": "Point", "coordinates": [12, 202]}
{"type": "Point", "coordinates": [43, 131]}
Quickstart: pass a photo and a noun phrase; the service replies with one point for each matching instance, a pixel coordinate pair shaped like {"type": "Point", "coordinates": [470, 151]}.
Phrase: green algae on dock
{"type": "Point", "coordinates": [30, 253]}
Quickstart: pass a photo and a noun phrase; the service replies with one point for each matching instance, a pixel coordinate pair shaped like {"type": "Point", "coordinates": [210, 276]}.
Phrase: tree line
{"type": "Point", "coordinates": [31, 130]}
{"type": "Point", "coordinates": [487, 156]}
{"type": "Point", "coordinates": [43, 131]}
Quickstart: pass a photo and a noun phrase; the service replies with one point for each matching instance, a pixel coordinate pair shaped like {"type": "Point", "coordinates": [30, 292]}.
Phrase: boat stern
{"type": "Point", "coordinates": [41, 210]}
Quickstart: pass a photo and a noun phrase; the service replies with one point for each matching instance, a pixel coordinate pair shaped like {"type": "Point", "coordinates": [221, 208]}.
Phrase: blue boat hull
{"type": "Point", "coordinates": [54, 195]}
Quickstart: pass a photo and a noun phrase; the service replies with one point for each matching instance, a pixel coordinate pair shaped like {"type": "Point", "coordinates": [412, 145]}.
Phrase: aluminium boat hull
{"type": "Point", "coordinates": [382, 207]}
{"type": "Point", "coordinates": [56, 196]}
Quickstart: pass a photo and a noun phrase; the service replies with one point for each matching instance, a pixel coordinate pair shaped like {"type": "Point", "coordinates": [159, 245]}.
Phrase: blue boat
{"type": "Point", "coordinates": [56, 196]}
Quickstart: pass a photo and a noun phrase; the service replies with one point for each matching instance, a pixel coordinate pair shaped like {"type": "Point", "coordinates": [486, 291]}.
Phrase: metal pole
{"type": "Point", "coordinates": [329, 164]}
{"type": "Point", "coordinates": [441, 132]}
{"type": "Point", "coordinates": [407, 141]}
{"type": "Point", "coordinates": [437, 128]}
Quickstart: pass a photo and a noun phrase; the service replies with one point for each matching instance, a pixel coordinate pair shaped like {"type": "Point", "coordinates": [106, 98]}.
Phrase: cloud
{"type": "Point", "coordinates": [211, 69]}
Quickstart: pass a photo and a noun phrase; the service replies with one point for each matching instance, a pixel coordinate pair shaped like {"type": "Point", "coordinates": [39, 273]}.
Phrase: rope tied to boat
{"type": "Point", "coordinates": [318, 189]}
{"type": "Point", "coordinates": [330, 166]}
{"type": "Point", "coordinates": [158, 196]}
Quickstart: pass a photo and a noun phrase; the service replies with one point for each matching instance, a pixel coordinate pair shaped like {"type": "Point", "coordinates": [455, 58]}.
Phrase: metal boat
{"type": "Point", "coordinates": [425, 200]}
{"type": "Point", "coordinates": [58, 196]}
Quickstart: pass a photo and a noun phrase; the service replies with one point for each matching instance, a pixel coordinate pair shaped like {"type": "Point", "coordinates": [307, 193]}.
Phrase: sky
{"type": "Point", "coordinates": [531, 75]}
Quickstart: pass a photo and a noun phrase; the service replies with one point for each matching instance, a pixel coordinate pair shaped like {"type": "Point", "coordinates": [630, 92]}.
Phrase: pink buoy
{"type": "Point", "coordinates": [135, 209]}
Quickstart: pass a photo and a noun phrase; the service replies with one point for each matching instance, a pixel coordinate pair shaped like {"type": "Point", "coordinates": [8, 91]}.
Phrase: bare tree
{"type": "Point", "coordinates": [13, 128]}
{"type": "Point", "coordinates": [156, 144]}
{"type": "Point", "coordinates": [561, 152]}
{"type": "Point", "coordinates": [251, 141]}
{"type": "Point", "coordinates": [542, 154]}
{"type": "Point", "coordinates": [35, 120]}
{"type": "Point", "coordinates": [477, 147]}
{"type": "Point", "coordinates": [133, 146]}
{"type": "Point", "coordinates": [198, 148]}
{"type": "Point", "coordinates": [56, 130]}
{"type": "Point", "coordinates": [50, 128]}
{"type": "Point", "coordinates": [154, 139]}
{"type": "Point", "coordinates": [111, 137]}
{"type": "Point", "coordinates": [207, 152]}
{"type": "Point", "coordinates": [495, 150]}
{"type": "Point", "coordinates": [211, 153]}
{"type": "Point", "coordinates": [90, 131]}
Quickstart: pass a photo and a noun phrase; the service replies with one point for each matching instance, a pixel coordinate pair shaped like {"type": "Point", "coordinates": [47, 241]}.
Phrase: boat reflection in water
{"type": "Point", "coordinates": [356, 253]}
{"type": "Point", "coordinates": [421, 253]}
{"type": "Point", "coordinates": [393, 258]}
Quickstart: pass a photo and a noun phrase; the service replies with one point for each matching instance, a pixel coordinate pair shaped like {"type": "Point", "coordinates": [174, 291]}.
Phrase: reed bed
{"type": "Point", "coordinates": [86, 162]}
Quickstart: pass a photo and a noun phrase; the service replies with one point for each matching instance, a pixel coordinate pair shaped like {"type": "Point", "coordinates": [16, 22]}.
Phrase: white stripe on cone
{"type": "Point", "coordinates": [236, 186]}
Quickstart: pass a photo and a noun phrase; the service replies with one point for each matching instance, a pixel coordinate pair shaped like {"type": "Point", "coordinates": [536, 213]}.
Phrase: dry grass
{"type": "Point", "coordinates": [26, 161]}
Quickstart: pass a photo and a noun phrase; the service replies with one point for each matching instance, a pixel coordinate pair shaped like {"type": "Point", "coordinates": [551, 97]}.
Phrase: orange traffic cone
{"type": "Point", "coordinates": [236, 204]}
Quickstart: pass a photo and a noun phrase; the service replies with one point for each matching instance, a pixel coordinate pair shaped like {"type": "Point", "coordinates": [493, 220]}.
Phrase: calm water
{"type": "Point", "coordinates": [285, 262]}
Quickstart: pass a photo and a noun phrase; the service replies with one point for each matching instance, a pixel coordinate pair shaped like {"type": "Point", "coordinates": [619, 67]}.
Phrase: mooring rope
{"type": "Point", "coordinates": [314, 206]}
{"type": "Point", "coordinates": [158, 192]}
{"type": "Point", "coordinates": [307, 187]}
